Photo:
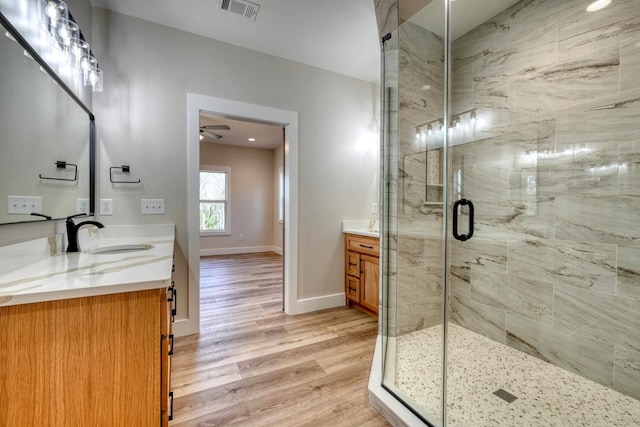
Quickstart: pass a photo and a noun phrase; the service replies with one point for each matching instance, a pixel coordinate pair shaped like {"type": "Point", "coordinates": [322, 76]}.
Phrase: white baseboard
{"type": "Point", "coordinates": [320, 303]}
{"type": "Point", "coordinates": [182, 327]}
{"type": "Point", "coordinates": [240, 250]}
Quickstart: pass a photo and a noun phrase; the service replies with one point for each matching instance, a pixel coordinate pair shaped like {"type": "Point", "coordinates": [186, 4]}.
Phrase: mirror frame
{"type": "Point", "coordinates": [92, 125]}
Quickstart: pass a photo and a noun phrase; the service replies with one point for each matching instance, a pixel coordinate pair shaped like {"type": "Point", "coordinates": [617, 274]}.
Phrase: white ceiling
{"type": "Point", "coordinates": [266, 136]}
{"type": "Point", "coordinates": [335, 35]}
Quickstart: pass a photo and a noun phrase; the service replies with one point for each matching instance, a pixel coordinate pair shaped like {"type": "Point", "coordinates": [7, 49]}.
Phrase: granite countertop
{"type": "Point", "coordinates": [81, 274]}
{"type": "Point", "coordinates": [361, 228]}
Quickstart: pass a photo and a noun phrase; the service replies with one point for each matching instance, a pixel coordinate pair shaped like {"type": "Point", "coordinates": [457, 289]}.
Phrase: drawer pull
{"type": "Point", "coordinates": [366, 247]}
{"type": "Point", "coordinates": [352, 289]}
{"type": "Point", "coordinates": [171, 346]}
{"type": "Point", "coordinates": [353, 264]}
{"type": "Point", "coordinates": [174, 303]}
{"type": "Point", "coordinates": [171, 406]}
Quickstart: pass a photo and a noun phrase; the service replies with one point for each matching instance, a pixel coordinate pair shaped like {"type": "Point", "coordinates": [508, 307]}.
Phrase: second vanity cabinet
{"type": "Point", "coordinates": [362, 271]}
{"type": "Point", "coordinates": [89, 361]}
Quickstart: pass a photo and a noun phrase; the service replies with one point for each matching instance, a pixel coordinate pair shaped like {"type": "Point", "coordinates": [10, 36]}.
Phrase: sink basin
{"type": "Point", "coordinates": [120, 249]}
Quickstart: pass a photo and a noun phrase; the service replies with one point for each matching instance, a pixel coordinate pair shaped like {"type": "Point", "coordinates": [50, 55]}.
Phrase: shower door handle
{"type": "Point", "coordinates": [456, 205]}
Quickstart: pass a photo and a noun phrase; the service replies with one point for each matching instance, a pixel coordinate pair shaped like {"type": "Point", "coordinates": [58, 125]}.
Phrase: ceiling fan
{"type": "Point", "coordinates": [206, 131]}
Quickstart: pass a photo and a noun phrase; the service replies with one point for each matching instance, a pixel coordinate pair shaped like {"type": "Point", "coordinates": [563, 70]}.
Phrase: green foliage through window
{"type": "Point", "coordinates": [213, 201]}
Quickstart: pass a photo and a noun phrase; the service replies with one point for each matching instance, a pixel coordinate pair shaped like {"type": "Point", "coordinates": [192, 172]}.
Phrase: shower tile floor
{"type": "Point", "coordinates": [546, 395]}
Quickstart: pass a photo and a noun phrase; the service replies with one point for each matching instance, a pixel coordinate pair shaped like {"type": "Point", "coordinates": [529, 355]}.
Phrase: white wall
{"type": "Point", "coordinates": [141, 120]}
{"type": "Point", "coordinates": [278, 226]}
{"type": "Point", "coordinates": [251, 199]}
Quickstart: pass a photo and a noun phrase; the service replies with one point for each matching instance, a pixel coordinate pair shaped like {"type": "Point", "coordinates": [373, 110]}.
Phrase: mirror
{"type": "Point", "coordinates": [47, 138]}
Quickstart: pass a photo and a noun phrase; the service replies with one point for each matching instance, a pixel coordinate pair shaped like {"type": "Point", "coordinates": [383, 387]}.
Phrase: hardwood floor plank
{"type": "Point", "coordinates": [253, 365]}
{"type": "Point", "coordinates": [224, 400]}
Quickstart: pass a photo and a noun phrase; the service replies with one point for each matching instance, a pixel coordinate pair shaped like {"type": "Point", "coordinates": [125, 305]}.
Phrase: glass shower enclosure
{"type": "Point", "coordinates": [511, 232]}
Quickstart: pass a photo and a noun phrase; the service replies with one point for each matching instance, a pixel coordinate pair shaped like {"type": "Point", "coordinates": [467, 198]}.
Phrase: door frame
{"type": "Point", "coordinates": [289, 121]}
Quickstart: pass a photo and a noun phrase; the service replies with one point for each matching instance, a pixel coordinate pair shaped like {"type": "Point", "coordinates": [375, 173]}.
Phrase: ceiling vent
{"type": "Point", "coordinates": [240, 7]}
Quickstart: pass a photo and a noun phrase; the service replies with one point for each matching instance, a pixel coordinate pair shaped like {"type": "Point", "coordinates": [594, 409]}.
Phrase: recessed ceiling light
{"type": "Point", "coordinates": [252, 139]}
{"type": "Point", "coordinates": [597, 5]}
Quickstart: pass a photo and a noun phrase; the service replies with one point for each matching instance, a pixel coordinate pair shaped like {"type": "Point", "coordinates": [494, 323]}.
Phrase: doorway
{"type": "Point", "coordinates": [240, 110]}
{"type": "Point", "coordinates": [241, 192]}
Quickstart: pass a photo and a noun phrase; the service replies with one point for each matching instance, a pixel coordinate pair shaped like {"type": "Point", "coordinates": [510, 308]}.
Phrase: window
{"type": "Point", "coordinates": [214, 200]}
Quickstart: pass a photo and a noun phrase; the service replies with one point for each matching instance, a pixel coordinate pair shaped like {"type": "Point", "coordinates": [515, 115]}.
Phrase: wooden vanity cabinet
{"type": "Point", "coordinates": [87, 361]}
{"type": "Point", "coordinates": [362, 272]}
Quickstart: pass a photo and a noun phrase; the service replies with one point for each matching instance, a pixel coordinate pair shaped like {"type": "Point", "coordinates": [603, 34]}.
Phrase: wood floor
{"type": "Point", "coordinates": [253, 365]}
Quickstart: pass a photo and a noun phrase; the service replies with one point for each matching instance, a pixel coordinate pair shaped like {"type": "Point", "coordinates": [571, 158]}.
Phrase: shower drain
{"type": "Point", "coordinates": [505, 395]}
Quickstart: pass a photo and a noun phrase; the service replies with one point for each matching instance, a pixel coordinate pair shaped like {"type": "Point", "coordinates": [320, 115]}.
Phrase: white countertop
{"type": "Point", "coordinates": [362, 228]}
{"type": "Point", "coordinates": [82, 274]}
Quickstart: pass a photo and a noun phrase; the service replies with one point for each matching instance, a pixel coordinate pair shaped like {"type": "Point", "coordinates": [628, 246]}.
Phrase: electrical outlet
{"type": "Point", "coordinates": [106, 207]}
{"type": "Point", "coordinates": [152, 206]}
{"type": "Point", "coordinates": [82, 206]}
{"type": "Point", "coordinates": [241, 237]}
{"type": "Point", "coordinates": [374, 208]}
{"type": "Point", "coordinates": [24, 205]}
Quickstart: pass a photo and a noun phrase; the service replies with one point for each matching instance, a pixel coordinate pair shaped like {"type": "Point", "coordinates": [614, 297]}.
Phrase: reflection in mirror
{"type": "Point", "coordinates": [46, 138]}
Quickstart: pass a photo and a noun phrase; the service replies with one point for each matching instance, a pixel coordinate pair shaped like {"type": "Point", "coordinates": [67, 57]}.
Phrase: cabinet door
{"type": "Point", "coordinates": [90, 361]}
{"type": "Point", "coordinates": [165, 359]}
{"type": "Point", "coordinates": [369, 283]}
{"type": "Point", "coordinates": [353, 264]}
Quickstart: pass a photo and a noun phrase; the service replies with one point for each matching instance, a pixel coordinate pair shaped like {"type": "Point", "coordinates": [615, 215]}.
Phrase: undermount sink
{"type": "Point", "coordinates": [120, 249]}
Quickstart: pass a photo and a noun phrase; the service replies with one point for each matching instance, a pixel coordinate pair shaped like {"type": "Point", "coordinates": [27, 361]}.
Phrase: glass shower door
{"type": "Point", "coordinates": [543, 300]}
{"type": "Point", "coordinates": [413, 256]}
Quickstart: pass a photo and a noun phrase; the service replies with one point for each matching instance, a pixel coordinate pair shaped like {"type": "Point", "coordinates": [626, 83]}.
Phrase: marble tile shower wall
{"type": "Point", "coordinates": [419, 239]}
{"type": "Point", "coordinates": [389, 170]}
{"type": "Point", "coordinates": [554, 267]}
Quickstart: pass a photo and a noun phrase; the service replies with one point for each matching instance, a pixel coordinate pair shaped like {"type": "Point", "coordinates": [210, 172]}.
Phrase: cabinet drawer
{"type": "Point", "coordinates": [353, 288]}
{"type": "Point", "coordinates": [353, 264]}
{"type": "Point", "coordinates": [367, 245]}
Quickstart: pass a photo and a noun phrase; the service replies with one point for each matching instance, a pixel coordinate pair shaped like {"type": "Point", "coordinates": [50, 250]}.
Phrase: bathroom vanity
{"type": "Point", "coordinates": [87, 336]}
{"type": "Point", "coordinates": [361, 262]}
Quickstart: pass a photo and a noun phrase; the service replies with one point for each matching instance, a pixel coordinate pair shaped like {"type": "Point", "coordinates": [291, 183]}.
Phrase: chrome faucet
{"type": "Point", "coordinates": [72, 231]}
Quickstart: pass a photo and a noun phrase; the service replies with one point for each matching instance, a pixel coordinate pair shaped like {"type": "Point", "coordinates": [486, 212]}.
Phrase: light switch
{"type": "Point", "coordinates": [152, 206]}
{"type": "Point", "coordinates": [24, 205]}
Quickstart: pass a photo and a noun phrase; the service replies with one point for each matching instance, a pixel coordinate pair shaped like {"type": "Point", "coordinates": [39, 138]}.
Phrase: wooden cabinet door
{"type": "Point", "coordinates": [353, 264]}
{"type": "Point", "coordinates": [369, 283]}
{"type": "Point", "coordinates": [88, 361]}
{"type": "Point", "coordinates": [165, 360]}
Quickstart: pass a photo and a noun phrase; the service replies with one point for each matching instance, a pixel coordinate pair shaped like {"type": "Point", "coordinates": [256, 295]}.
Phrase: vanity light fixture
{"type": "Point", "coordinates": [460, 122]}
{"type": "Point", "coordinates": [74, 55]}
{"type": "Point", "coordinates": [598, 5]}
{"type": "Point", "coordinates": [252, 139]}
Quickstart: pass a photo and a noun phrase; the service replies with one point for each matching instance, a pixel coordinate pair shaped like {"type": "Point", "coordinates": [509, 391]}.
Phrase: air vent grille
{"type": "Point", "coordinates": [240, 7]}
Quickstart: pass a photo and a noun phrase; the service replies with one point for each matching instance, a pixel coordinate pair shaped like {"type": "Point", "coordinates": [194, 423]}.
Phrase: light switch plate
{"type": "Point", "coordinates": [152, 206]}
{"type": "Point", "coordinates": [24, 205]}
